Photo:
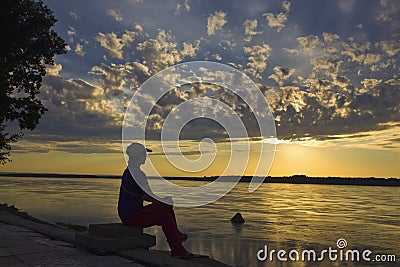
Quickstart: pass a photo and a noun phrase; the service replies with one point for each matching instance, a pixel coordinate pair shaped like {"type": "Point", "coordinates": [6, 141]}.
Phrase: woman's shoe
{"type": "Point", "coordinates": [185, 256]}
{"type": "Point", "coordinates": [184, 237]}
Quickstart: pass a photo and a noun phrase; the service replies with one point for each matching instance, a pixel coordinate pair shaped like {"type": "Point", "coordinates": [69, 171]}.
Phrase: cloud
{"type": "Point", "coordinates": [119, 81]}
{"type": "Point", "coordinates": [113, 78]}
{"type": "Point", "coordinates": [355, 51]}
{"type": "Point", "coordinates": [330, 37]}
{"type": "Point", "coordinates": [318, 83]}
{"type": "Point", "coordinates": [389, 13]}
{"type": "Point", "coordinates": [386, 137]}
{"type": "Point", "coordinates": [279, 20]}
{"type": "Point", "coordinates": [164, 51]}
{"type": "Point", "coordinates": [74, 15]}
{"type": "Point", "coordinates": [53, 70]}
{"type": "Point", "coordinates": [184, 6]}
{"type": "Point", "coordinates": [215, 22]}
{"type": "Point", "coordinates": [82, 89]}
{"type": "Point", "coordinates": [160, 52]}
{"type": "Point", "coordinates": [370, 86]}
{"type": "Point", "coordinates": [393, 82]}
{"type": "Point", "coordinates": [141, 71]}
{"type": "Point", "coordinates": [249, 29]}
{"type": "Point", "coordinates": [295, 99]}
{"type": "Point", "coordinates": [111, 43]}
{"type": "Point", "coordinates": [177, 153]}
{"type": "Point", "coordinates": [286, 5]}
{"type": "Point", "coordinates": [334, 107]}
{"type": "Point", "coordinates": [114, 44]}
{"type": "Point", "coordinates": [31, 145]}
{"type": "Point", "coordinates": [257, 59]}
{"type": "Point", "coordinates": [331, 93]}
{"type": "Point", "coordinates": [71, 33]}
{"type": "Point", "coordinates": [308, 43]}
{"type": "Point", "coordinates": [190, 49]}
{"type": "Point", "coordinates": [77, 111]}
{"type": "Point", "coordinates": [217, 57]}
{"type": "Point", "coordinates": [281, 74]}
{"type": "Point", "coordinates": [276, 21]}
{"type": "Point", "coordinates": [341, 81]}
{"type": "Point", "coordinates": [290, 51]}
{"type": "Point", "coordinates": [391, 48]}
{"type": "Point", "coordinates": [330, 66]}
{"type": "Point", "coordinates": [115, 13]}
{"type": "Point", "coordinates": [79, 50]}
{"type": "Point", "coordinates": [371, 59]}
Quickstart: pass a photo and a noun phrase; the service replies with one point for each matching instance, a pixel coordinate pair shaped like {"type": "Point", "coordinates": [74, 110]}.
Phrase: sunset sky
{"type": "Point", "coordinates": [330, 71]}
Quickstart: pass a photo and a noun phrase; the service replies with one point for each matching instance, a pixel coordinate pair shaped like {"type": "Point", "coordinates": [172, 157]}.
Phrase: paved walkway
{"type": "Point", "coordinates": [22, 247]}
{"type": "Point", "coordinates": [31, 242]}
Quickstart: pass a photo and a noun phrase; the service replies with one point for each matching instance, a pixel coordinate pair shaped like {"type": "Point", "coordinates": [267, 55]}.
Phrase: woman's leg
{"type": "Point", "coordinates": [156, 214]}
{"type": "Point", "coordinates": [183, 236]}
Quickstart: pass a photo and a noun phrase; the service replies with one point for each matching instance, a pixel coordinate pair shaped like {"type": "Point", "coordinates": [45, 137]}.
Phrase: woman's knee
{"type": "Point", "coordinates": [167, 216]}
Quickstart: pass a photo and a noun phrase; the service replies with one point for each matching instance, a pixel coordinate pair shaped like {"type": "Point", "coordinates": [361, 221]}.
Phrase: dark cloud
{"type": "Point", "coordinates": [326, 67]}
{"type": "Point", "coordinates": [76, 111]}
{"type": "Point", "coordinates": [85, 146]}
{"type": "Point", "coordinates": [186, 153]}
{"type": "Point", "coordinates": [337, 137]}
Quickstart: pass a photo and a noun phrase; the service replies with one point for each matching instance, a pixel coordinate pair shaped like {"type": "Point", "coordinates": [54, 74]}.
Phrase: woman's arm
{"type": "Point", "coordinates": [151, 199]}
{"type": "Point", "coordinates": [148, 195]}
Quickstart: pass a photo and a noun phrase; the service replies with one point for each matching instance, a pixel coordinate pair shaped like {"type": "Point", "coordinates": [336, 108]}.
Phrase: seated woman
{"type": "Point", "coordinates": [130, 203]}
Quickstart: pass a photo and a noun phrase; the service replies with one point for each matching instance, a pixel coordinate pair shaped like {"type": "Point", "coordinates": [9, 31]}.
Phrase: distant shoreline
{"type": "Point", "coordinates": [294, 179]}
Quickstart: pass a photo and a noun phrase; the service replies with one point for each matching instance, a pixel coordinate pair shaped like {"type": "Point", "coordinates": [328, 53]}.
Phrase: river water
{"type": "Point", "coordinates": [278, 217]}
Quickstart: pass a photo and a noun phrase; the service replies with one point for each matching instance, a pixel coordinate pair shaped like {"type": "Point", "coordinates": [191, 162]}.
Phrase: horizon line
{"type": "Point", "coordinates": [192, 177]}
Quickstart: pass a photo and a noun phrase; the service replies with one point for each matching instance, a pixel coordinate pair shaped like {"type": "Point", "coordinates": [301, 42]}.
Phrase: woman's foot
{"type": "Point", "coordinates": [184, 256]}
{"type": "Point", "coordinates": [184, 236]}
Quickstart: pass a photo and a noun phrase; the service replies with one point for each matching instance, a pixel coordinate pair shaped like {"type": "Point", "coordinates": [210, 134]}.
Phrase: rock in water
{"type": "Point", "coordinates": [237, 219]}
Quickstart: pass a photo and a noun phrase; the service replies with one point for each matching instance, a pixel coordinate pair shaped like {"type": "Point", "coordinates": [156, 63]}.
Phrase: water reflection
{"type": "Point", "coordinates": [282, 216]}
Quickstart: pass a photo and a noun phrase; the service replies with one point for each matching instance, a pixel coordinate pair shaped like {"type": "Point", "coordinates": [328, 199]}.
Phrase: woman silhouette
{"type": "Point", "coordinates": [130, 203]}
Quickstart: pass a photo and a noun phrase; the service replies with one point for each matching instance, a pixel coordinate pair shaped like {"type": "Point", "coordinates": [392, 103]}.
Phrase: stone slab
{"type": "Point", "coordinates": [31, 249]}
{"type": "Point", "coordinates": [155, 258]}
{"type": "Point", "coordinates": [106, 246]}
{"type": "Point", "coordinates": [108, 260]}
{"type": "Point", "coordinates": [22, 247]}
{"type": "Point", "coordinates": [11, 261]}
{"type": "Point", "coordinates": [114, 230]}
{"type": "Point", "coordinates": [198, 259]}
{"type": "Point", "coordinates": [48, 230]}
{"type": "Point", "coordinates": [4, 253]}
{"type": "Point", "coordinates": [162, 258]}
{"type": "Point", "coordinates": [51, 258]}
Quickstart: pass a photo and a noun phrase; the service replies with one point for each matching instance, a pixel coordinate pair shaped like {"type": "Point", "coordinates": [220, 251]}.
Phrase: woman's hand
{"type": "Point", "coordinates": [167, 200]}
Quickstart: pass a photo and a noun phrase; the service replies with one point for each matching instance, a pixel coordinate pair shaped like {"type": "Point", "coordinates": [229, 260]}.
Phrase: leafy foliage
{"type": "Point", "coordinates": [27, 45]}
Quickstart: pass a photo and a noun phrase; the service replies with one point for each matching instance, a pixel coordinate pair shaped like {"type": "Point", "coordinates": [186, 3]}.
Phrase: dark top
{"type": "Point", "coordinates": [130, 194]}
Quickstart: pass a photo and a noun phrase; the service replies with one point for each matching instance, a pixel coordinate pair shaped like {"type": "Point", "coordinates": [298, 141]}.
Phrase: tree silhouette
{"type": "Point", "coordinates": [27, 45]}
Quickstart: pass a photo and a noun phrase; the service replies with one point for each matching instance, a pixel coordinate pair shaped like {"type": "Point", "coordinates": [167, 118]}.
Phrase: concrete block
{"type": "Point", "coordinates": [114, 230]}
{"type": "Point", "coordinates": [105, 246]}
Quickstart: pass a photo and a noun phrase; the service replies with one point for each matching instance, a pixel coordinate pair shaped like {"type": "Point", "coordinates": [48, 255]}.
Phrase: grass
{"type": "Point", "coordinates": [74, 227]}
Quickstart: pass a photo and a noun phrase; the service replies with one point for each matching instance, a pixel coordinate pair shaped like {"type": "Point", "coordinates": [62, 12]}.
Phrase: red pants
{"type": "Point", "coordinates": [162, 215]}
